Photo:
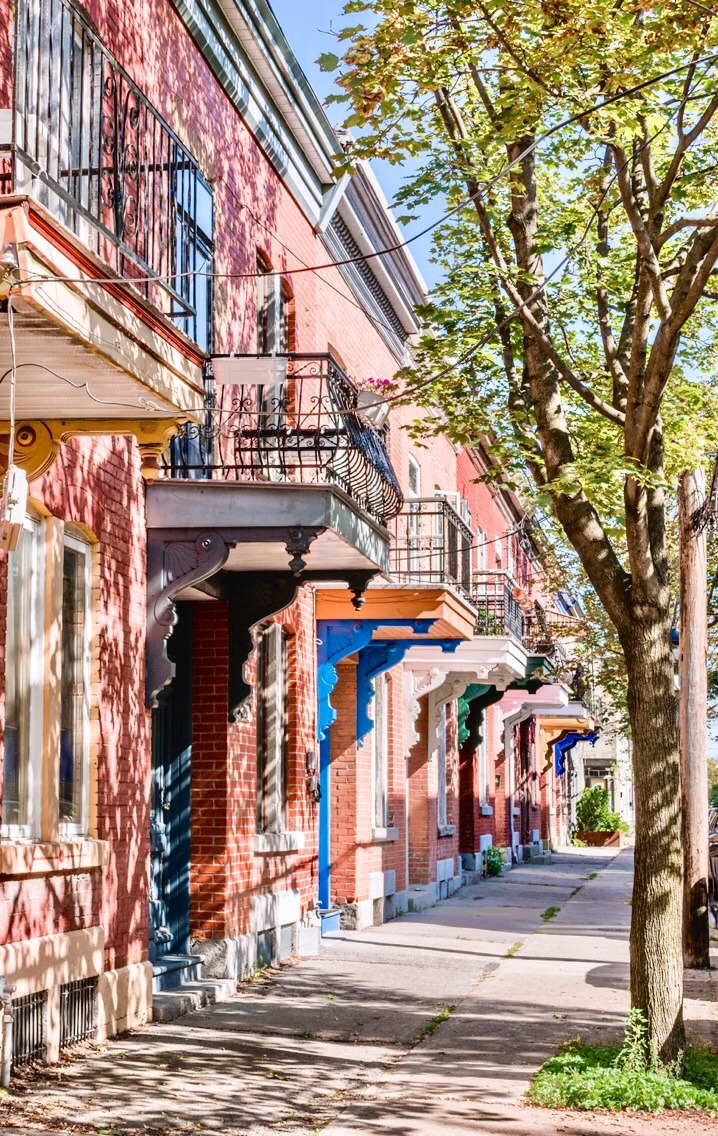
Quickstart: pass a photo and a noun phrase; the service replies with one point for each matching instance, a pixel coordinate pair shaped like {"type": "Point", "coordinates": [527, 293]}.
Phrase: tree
{"type": "Point", "coordinates": [575, 142]}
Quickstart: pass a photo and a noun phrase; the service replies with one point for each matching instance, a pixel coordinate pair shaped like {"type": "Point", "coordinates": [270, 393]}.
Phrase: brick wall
{"type": "Point", "coordinates": [97, 484]}
{"type": "Point", "coordinates": [226, 871]}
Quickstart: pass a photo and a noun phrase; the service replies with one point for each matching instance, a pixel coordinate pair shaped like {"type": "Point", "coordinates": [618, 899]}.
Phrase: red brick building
{"type": "Point", "coordinates": [209, 745]}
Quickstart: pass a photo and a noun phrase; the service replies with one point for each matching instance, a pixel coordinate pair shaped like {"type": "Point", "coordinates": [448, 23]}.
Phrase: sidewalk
{"type": "Point", "coordinates": [331, 1044]}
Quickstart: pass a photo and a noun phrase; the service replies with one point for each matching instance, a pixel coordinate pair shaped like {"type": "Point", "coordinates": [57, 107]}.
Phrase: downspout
{"type": "Point", "coordinates": [6, 992]}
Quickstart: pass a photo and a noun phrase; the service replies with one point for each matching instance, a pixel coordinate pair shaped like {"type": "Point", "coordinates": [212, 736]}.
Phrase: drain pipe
{"type": "Point", "coordinates": [6, 991]}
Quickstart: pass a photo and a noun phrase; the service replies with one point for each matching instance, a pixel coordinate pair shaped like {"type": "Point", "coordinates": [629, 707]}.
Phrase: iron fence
{"type": "Point", "coordinates": [432, 544]}
{"type": "Point", "coordinates": [88, 145]}
{"type": "Point", "coordinates": [29, 1038]}
{"type": "Point", "coordinates": [78, 1011]}
{"type": "Point", "coordinates": [498, 610]}
{"type": "Point", "coordinates": [304, 428]}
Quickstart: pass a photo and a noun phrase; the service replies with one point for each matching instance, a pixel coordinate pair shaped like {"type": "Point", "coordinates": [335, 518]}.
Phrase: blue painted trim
{"type": "Point", "coordinates": [339, 638]}
{"type": "Point", "coordinates": [374, 660]}
{"type": "Point", "coordinates": [564, 746]}
{"type": "Point", "coordinates": [325, 822]}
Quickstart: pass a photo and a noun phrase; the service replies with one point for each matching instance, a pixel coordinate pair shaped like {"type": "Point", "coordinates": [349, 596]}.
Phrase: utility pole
{"type": "Point", "coordinates": [693, 715]}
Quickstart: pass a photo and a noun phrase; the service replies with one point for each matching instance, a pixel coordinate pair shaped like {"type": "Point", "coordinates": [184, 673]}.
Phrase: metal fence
{"type": "Point", "coordinates": [29, 1038]}
{"type": "Point", "coordinates": [432, 544]}
{"type": "Point", "coordinates": [498, 611]}
{"type": "Point", "coordinates": [89, 146]}
{"type": "Point", "coordinates": [304, 428]}
{"type": "Point", "coordinates": [78, 1011]}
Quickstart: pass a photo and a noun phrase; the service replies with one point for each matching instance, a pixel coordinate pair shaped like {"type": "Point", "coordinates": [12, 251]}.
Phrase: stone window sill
{"type": "Point", "coordinates": [278, 843]}
{"type": "Point", "coordinates": [384, 835]}
{"type": "Point", "coordinates": [486, 811]}
{"type": "Point", "coordinates": [447, 830]}
{"type": "Point", "coordinates": [47, 857]}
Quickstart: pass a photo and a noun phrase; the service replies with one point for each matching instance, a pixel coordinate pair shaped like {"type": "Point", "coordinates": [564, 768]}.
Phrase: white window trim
{"type": "Point", "coordinates": [441, 795]}
{"type": "Point", "coordinates": [30, 830]}
{"type": "Point", "coordinates": [84, 547]}
{"type": "Point", "coordinates": [380, 749]}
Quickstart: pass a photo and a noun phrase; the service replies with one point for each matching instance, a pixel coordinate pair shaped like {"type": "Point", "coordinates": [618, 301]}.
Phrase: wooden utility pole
{"type": "Point", "coordinates": [693, 716]}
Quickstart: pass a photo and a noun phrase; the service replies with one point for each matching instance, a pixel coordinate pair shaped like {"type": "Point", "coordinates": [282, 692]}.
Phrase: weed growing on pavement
{"type": "Point", "coordinates": [307, 1035]}
{"type": "Point", "coordinates": [626, 1078]}
{"type": "Point", "coordinates": [550, 913]}
{"type": "Point", "coordinates": [591, 875]}
{"type": "Point", "coordinates": [575, 891]}
{"type": "Point", "coordinates": [513, 950]}
{"type": "Point", "coordinates": [444, 1013]}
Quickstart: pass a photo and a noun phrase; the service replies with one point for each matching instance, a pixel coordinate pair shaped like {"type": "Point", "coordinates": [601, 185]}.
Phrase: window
{"type": "Point", "coordinates": [47, 684]}
{"type": "Point", "coordinates": [273, 304]}
{"type": "Point", "coordinates": [380, 751]}
{"type": "Point", "coordinates": [75, 685]}
{"type": "Point", "coordinates": [271, 729]}
{"type": "Point", "coordinates": [24, 686]}
{"type": "Point", "coordinates": [441, 789]}
{"type": "Point", "coordinates": [414, 478]}
{"type": "Point", "coordinates": [483, 764]}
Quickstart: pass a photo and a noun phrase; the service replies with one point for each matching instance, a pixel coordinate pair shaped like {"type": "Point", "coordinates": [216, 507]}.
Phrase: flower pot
{"type": "Point", "coordinates": [371, 408]}
{"type": "Point", "coordinates": [601, 839]}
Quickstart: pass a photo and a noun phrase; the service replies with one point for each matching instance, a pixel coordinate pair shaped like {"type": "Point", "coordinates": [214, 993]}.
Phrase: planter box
{"type": "Point", "coordinates": [602, 839]}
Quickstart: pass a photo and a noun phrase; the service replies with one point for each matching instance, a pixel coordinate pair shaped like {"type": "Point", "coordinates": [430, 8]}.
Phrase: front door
{"type": "Point", "coordinates": [170, 806]}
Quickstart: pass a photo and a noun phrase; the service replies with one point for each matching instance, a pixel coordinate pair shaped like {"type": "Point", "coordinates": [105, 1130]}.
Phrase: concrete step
{"type": "Point", "coordinates": [421, 897]}
{"type": "Point", "coordinates": [171, 1004]}
{"type": "Point", "coordinates": [169, 971]}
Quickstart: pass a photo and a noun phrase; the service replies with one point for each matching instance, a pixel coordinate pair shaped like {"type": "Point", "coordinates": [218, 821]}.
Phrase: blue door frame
{"type": "Point", "coordinates": [170, 808]}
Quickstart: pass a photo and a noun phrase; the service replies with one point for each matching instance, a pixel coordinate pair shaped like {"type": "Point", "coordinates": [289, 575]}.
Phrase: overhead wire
{"type": "Point", "coordinates": [480, 194]}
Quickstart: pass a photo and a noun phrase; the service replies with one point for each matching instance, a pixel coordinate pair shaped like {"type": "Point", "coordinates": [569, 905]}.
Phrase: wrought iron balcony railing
{"type": "Point", "coordinates": [302, 429]}
{"type": "Point", "coordinates": [432, 544]}
{"type": "Point", "coordinates": [86, 144]}
{"type": "Point", "coordinates": [498, 611]}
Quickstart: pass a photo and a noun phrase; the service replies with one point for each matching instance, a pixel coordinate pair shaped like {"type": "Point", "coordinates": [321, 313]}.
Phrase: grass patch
{"type": "Point", "coordinates": [591, 876]}
{"type": "Point", "coordinates": [617, 1078]}
{"type": "Point", "coordinates": [550, 913]}
{"type": "Point", "coordinates": [443, 1015]}
{"type": "Point", "coordinates": [307, 1035]}
{"type": "Point", "coordinates": [514, 950]}
{"type": "Point", "coordinates": [575, 891]}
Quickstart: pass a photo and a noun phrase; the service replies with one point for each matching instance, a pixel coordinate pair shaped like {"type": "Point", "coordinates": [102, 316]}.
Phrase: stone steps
{"type": "Point", "coordinates": [169, 1005]}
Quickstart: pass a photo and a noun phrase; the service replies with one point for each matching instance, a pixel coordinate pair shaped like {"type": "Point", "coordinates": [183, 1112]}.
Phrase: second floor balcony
{"type": "Point", "coordinates": [294, 422]}
{"type": "Point", "coordinates": [498, 610]}
{"type": "Point", "coordinates": [432, 545]}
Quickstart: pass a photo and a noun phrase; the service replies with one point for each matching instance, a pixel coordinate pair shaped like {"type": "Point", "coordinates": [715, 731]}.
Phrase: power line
{"type": "Point", "coordinates": [479, 194]}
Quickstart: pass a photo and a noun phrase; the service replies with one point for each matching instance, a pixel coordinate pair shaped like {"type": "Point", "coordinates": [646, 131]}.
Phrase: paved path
{"type": "Point", "coordinates": [341, 1044]}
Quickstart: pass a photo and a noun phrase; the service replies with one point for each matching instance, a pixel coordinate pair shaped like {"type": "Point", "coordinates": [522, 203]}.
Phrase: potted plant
{"type": "Point", "coordinates": [370, 399]}
{"type": "Point", "coordinates": [596, 824]}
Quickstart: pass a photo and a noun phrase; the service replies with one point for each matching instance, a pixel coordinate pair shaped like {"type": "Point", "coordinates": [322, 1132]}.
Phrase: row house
{"type": "Point", "coordinates": [267, 662]}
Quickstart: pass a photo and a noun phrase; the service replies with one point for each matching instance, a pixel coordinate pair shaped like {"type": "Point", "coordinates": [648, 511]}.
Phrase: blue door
{"type": "Point", "coordinates": [170, 808]}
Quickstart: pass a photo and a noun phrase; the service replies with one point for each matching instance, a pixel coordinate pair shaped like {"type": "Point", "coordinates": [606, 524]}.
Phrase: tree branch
{"type": "Point", "coordinates": [643, 240]}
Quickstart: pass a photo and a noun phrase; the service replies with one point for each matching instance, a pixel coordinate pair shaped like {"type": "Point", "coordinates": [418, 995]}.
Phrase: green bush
{"type": "Point", "coordinates": [495, 861]}
{"type": "Point", "coordinates": [594, 1076]}
{"type": "Point", "coordinates": [594, 815]}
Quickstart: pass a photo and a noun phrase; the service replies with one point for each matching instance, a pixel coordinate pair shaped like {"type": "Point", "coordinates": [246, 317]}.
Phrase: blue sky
{"type": "Point", "coordinates": [308, 25]}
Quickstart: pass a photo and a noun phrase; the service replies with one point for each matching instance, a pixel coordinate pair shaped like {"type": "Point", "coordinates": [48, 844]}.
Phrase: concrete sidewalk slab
{"type": "Point", "coordinates": [328, 1044]}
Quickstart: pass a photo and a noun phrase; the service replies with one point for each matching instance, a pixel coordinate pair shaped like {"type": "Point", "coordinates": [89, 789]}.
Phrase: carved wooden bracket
{"type": "Point", "coordinates": [173, 566]}
{"type": "Point", "coordinates": [252, 597]}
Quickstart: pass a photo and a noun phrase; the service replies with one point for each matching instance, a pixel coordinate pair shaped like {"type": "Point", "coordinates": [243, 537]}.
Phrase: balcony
{"type": "Point", "coordinates": [96, 186]}
{"type": "Point", "coordinates": [432, 546]}
{"type": "Point", "coordinates": [498, 611]}
{"type": "Point", "coordinates": [302, 428]}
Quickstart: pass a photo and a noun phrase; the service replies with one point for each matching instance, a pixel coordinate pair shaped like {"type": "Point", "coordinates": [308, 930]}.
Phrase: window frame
{"type": "Point", "coordinates": [79, 543]}
{"type": "Point", "coordinates": [272, 767]}
{"type": "Point", "coordinates": [380, 753]}
{"type": "Point", "coordinates": [30, 829]}
{"type": "Point", "coordinates": [442, 762]}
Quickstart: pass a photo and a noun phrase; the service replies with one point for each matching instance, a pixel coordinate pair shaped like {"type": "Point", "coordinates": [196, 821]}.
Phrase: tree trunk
{"type": "Point", "coordinates": [657, 911]}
